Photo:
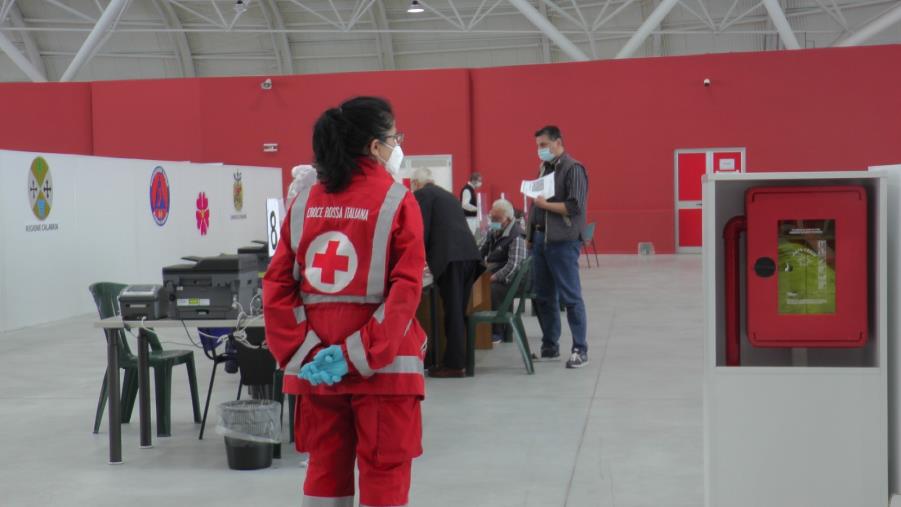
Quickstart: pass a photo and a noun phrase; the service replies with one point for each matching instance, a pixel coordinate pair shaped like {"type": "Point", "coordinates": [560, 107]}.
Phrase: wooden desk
{"type": "Point", "coordinates": [479, 300]}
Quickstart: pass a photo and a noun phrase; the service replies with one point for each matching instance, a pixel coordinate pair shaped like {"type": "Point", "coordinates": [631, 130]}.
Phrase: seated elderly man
{"type": "Point", "coordinates": [503, 250]}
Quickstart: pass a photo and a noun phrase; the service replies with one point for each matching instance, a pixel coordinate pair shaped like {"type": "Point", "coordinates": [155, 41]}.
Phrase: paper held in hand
{"type": "Point", "coordinates": [543, 187]}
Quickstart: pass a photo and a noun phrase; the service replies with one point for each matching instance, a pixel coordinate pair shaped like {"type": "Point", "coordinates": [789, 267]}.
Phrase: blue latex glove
{"type": "Point", "coordinates": [331, 364]}
{"type": "Point", "coordinates": [308, 372]}
{"type": "Point", "coordinates": [327, 367]}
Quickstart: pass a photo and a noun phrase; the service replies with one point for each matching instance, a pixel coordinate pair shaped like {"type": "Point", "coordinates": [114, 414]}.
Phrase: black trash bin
{"type": "Point", "coordinates": [248, 455]}
{"type": "Point", "coordinates": [251, 429]}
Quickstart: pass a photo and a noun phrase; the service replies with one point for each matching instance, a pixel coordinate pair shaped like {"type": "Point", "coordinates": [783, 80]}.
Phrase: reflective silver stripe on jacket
{"type": "Point", "coordinates": [321, 501]}
{"type": "Point", "coordinates": [309, 343]}
{"type": "Point", "coordinates": [404, 364]}
{"type": "Point", "coordinates": [312, 299]}
{"type": "Point", "coordinates": [379, 314]}
{"type": "Point", "coordinates": [298, 212]}
{"type": "Point", "coordinates": [357, 354]}
{"type": "Point", "coordinates": [375, 285]}
{"type": "Point", "coordinates": [300, 315]}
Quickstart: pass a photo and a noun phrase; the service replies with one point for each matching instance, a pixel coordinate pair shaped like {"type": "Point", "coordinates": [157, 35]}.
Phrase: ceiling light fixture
{"type": "Point", "coordinates": [415, 7]}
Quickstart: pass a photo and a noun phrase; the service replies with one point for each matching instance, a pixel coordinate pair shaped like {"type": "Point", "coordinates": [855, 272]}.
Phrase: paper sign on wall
{"type": "Point", "coordinates": [727, 164]}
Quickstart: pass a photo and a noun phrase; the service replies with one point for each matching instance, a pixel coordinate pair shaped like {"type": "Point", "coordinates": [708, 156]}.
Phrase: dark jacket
{"type": "Point", "coordinates": [570, 188]}
{"type": "Point", "coordinates": [446, 233]}
{"type": "Point", "coordinates": [473, 200]}
{"type": "Point", "coordinates": [496, 249]}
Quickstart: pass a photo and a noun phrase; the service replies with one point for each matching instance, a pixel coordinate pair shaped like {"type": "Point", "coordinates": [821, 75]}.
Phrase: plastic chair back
{"type": "Point", "coordinates": [106, 297]}
{"type": "Point", "coordinates": [588, 233]}
{"type": "Point", "coordinates": [514, 290]}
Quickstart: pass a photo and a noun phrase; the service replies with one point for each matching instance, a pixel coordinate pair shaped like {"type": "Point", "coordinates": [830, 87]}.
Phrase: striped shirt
{"type": "Point", "coordinates": [517, 254]}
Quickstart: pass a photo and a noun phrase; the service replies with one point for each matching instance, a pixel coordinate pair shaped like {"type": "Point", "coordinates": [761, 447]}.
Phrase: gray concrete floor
{"type": "Point", "coordinates": [624, 431]}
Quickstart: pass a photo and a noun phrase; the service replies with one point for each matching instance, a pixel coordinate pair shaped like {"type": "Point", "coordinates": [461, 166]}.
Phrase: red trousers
{"type": "Point", "coordinates": [382, 433]}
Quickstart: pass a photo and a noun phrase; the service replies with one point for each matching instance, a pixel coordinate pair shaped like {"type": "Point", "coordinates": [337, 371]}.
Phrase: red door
{"type": "Point", "coordinates": [691, 166]}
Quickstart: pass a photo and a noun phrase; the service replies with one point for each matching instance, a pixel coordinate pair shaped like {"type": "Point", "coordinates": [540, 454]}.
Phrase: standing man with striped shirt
{"type": "Point", "coordinates": [555, 238]}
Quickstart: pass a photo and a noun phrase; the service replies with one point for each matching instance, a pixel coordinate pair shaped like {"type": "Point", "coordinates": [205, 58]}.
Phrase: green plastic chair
{"type": "Point", "coordinates": [106, 297]}
{"type": "Point", "coordinates": [528, 292]}
{"type": "Point", "coordinates": [588, 240]}
{"type": "Point", "coordinates": [504, 314]}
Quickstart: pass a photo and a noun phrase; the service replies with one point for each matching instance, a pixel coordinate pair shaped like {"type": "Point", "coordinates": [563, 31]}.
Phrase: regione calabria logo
{"type": "Point", "coordinates": [40, 188]}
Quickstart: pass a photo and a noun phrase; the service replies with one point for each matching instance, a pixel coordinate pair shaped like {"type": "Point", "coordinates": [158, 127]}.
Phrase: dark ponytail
{"type": "Point", "coordinates": [343, 134]}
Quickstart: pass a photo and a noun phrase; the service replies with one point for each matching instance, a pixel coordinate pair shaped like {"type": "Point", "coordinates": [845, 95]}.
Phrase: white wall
{"type": "Point", "coordinates": [106, 231]}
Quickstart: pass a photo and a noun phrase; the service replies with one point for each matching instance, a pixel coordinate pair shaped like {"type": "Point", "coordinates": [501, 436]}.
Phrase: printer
{"type": "Point", "coordinates": [260, 252]}
{"type": "Point", "coordinates": [138, 302]}
{"type": "Point", "coordinates": [209, 287]}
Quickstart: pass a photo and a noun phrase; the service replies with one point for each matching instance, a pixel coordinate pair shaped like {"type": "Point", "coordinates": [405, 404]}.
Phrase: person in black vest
{"type": "Point", "coordinates": [454, 260]}
{"type": "Point", "coordinates": [555, 238]}
{"type": "Point", "coordinates": [468, 198]}
{"type": "Point", "coordinates": [503, 250]}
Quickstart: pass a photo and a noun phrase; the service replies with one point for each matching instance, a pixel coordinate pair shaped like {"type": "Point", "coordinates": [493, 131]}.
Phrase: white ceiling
{"type": "Point", "coordinates": [178, 38]}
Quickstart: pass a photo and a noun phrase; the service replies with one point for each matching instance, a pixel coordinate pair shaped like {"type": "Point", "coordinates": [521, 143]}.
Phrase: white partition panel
{"type": "Point", "coordinates": [892, 174]}
{"type": "Point", "coordinates": [100, 227]}
{"type": "Point", "coordinates": [787, 429]}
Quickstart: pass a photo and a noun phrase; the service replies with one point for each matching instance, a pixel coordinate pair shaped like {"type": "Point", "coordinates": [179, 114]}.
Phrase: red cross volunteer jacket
{"type": "Point", "coordinates": [348, 271]}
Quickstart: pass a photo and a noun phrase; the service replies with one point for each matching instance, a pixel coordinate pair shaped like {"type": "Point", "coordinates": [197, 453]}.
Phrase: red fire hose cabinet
{"type": "Point", "coordinates": [806, 268]}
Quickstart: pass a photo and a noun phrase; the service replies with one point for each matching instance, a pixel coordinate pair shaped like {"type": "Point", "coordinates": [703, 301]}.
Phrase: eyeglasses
{"type": "Point", "coordinates": [398, 138]}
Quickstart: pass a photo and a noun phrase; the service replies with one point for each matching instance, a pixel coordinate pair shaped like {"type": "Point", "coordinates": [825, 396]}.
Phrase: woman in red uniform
{"type": "Point", "coordinates": [340, 299]}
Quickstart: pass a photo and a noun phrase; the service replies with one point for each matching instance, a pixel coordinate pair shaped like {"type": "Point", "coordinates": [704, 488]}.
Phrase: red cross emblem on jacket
{"type": "Point", "coordinates": [331, 262]}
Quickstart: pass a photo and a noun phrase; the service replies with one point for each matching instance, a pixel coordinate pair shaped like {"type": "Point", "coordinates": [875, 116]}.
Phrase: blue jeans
{"type": "Point", "coordinates": [555, 268]}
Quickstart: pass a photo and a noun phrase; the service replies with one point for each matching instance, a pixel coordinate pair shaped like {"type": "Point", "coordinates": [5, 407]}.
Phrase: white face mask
{"type": "Point", "coordinates": [394, 161]}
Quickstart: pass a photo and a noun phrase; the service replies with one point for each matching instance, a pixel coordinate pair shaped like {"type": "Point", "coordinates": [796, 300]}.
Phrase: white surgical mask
{"type": "Point", "coordinates": [394, 161]}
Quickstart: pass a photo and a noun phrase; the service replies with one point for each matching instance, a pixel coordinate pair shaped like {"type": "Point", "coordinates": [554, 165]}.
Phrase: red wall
{"type": "Point", "coordinates": [804, 110]}
{"type": "Point", "coordinates": [155, 119]}
{"type": "Point", "coordinates": [54, 117]}
{"type": "Point", "coordinates": [432, 109]}
{"type": "Point", "coordinates": [229, 119]}
{"type": "Point", "coordinates": [793, 111]}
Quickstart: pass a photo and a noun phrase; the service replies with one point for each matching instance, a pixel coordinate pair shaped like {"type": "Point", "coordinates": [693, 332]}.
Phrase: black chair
{"type": "Point", "coordinates": [209, 349]}
{"type": "Point", "coordinates": [255, 366]}
{"type": "Point", "coordinates": [278, 378]}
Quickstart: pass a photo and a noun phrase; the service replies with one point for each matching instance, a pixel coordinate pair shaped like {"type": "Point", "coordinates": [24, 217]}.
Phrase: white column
{"type": "Point", "coordinates": [781, 24]}
{"type": "Point", "coordinates": [646, 28]}
{"type": "Point", "coordinates": [872, 28]}
{"type": "Point", "coordinates": [106, 21]}
{"type": "Point", "coordinates": [549, 29]}
{"type": "Point", "coordinates": [19, 59]}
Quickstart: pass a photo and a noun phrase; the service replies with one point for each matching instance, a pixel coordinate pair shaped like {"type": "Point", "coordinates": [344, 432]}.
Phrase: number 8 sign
{"type": "Point", "coordinates": [273, 223]}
